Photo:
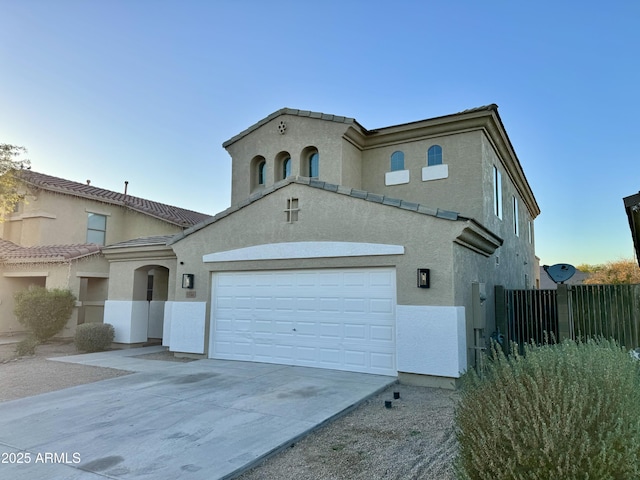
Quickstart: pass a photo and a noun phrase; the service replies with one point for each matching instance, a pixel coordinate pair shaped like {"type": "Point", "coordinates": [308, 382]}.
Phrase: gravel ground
{"type": "Point", "coordinates": [412, 440]}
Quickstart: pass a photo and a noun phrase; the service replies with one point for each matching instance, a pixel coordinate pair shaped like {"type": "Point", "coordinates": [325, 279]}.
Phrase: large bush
{"type": "Point", "coordinates": [94, 337]}
{"type": "Point", "coordinates": [566, 411]}
{"type": "Point", "coordinates": [44, 312]}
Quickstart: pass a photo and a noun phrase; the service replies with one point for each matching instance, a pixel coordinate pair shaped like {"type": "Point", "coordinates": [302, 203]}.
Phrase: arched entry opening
{"type": "Point", "coordinates": [150, 292]}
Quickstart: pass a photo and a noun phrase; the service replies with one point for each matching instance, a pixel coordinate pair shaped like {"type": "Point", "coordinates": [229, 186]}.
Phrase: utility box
{"type": "Point", "coordinates": [479, 299]}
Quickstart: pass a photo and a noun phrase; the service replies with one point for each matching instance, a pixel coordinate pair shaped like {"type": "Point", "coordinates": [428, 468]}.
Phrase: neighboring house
{"type": "Point", "coordinates": [344, 248]}
{"type": "Point", "coordinates": [55, 236]}
{"type": "Point", "coordinates": [632, 209]}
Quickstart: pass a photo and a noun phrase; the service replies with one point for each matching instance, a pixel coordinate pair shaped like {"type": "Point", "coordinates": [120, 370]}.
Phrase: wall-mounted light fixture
{"type": "Point", "coordinates": [423, 278]}
{"type": "Point", "coordinates": [187, 280]}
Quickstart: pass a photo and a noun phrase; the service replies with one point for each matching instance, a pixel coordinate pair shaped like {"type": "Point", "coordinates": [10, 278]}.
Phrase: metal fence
{"type": "Point", "coordinates": [526, 316]}
{"type": "Point", "coordinates": [571, 311]}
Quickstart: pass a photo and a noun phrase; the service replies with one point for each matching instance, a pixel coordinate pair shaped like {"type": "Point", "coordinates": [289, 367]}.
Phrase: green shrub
{"type": "Point", "coordinates": [44, 312]}
{"type": "Point", "coordinates": [94, 337]}
{"type": "Point", "coordinates": [27, 346]}
{"type": "Point", "coordinates": [566, 411]}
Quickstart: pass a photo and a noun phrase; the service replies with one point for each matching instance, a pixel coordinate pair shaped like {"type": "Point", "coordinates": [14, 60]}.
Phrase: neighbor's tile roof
{"type": "Point", "coordinates": [12, 253]}
{"type": "Point", "coordinates": [175, 215]}
{"type": "Point", "coordinates": [143, 242]}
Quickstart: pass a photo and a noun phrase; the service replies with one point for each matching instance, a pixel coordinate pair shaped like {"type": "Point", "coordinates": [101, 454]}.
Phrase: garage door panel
{"type": "Point", "coordinates": [381, 333]}
{"type": "Point", "coordinates": [355, 331]}
{"type": "Point", "coordinates": [329, 279]}
{"type": "Point", "coordinates": [355, 305]}
{"type": "Point", "coordinates": [381, 305]}
{"type": "Point", "coordinates": [329, 305]}
{"type": "Point", "coordinates": [355, 359]}
{"type": "Point", "coordinates": [323, 318]}
{"type": "Point", "coordinates": [355, 279]}
{"type": "Point", "coordinates": [382, 361]}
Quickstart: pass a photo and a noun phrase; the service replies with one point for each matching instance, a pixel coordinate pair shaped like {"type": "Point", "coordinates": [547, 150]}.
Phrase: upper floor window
{"type": "Point", "coordinates": [497, 192]}
{"type": "Point", "coordinates": [96, 228]}
{"type": "Point", "coordinates": [262, 173]}
{"type": "Point", "coordinates": [314, 165]}
{"type": "Point", "coordinates": [434, 155]}
{"type": "Point", "coordinates": [516, 225]}
{"type": "Point", "coordinates": [397, 161]}
{"type": "Point", "coordinates": [286, 167]}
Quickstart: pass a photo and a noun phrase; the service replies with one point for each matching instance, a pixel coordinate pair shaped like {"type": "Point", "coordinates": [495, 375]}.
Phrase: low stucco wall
{"type": "Point", "coordinates": [130, 320]}
{"type": "Point", "coordinates": [185, 326]}
{"type": "Point", "coordinates": [431, 340]}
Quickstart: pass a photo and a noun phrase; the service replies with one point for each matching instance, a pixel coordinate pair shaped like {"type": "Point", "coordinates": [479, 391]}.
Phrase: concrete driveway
{"type": "Point", "coordinates": [206, 419]}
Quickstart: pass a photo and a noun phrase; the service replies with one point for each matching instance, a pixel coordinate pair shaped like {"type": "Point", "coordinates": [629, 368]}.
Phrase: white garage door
{"type": "Point", "coordinates": [341, 319]}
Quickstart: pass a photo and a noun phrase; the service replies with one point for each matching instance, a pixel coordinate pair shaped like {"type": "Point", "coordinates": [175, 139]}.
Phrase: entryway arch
{"type": "Point", "coordinates": [151, 289]}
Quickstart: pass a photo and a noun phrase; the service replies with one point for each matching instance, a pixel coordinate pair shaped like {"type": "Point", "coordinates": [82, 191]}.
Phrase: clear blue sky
{"type": "Point", "coordinates": [147, 91]}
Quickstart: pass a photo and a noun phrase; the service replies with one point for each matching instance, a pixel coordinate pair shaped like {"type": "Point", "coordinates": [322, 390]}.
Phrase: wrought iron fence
{"type": "Point", "coordinates": [571, 311]}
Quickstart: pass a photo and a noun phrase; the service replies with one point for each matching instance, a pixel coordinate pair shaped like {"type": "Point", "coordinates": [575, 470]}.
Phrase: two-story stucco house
{"type": "Point", "coordinates": [55, 236]}
{"type": "Point", "coordinates": [345, 248]}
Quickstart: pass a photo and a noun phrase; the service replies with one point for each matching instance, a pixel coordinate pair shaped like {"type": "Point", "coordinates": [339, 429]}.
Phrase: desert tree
{"type": "Point", "coordinates": [11, 162]}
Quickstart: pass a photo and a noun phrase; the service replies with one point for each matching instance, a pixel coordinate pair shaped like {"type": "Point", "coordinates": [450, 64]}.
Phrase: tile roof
{"type": "Point", "coordinates": [288, 111]}
{"type": "Point", "coordinates": [175, 215]}
{"type": "Point", "coordinates": [12, 253]}
{"type": "Point", "coordinates": [143, 241]}
{"type": "Point", "coordinates": [340, 119]}
{"type": "Point", "coordinates": [337, 189]}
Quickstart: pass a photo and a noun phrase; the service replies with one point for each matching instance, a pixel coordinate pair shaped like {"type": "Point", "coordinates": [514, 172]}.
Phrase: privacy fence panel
{"type": "Point", "coordinates": [611, 311]}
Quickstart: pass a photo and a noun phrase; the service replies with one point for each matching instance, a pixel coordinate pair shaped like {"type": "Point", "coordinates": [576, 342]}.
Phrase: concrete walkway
{"type": "Point", "coordinates": [207, 419]}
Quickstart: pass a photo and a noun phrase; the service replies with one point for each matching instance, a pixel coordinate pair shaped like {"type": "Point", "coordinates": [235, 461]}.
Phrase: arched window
{"type": "Point", "coordinates": [434, 155]}
{"type": "Point", "coordinates": [397, 161]}
{"type": "Point", "coordinates": [314, 165]}
{"type": "Point", "coordinates": [286, 167]}
{"type": "Point", "coordinates": [262, 173]}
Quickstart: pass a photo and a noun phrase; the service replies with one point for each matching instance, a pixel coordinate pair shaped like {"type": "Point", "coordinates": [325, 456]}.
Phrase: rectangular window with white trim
{"type": "Point", "coordinates": [96, 228]}
{"type": "Point", "coordinates": [497, 192]}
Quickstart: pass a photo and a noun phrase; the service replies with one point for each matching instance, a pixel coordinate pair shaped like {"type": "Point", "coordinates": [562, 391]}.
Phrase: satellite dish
{"type": "Point", "coordinates": [560, 272]}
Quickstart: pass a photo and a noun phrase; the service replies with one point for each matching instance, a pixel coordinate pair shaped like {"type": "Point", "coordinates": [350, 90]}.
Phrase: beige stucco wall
{"type": "Point", "coordinates": [352, 165]}
{"type": "Point", "coordinates": [301, 133]}
{"type": "Point", "coordinates": [459, 192]}
{"type": "Point", "coordinates": [326, 216]}
{"type": "Point", "coordinates": [516, 249]}
{"type": "Point", "coordinates": [124, 273]}
{"type": "Point", "coordinates": [64, 275]}
{"type": "Point", "coordinates": [47, 218]}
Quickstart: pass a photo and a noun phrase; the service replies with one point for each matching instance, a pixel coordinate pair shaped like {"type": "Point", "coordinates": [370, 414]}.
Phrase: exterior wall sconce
{"type": "Point", "coordinates": [187, 280]}
{"type": "Point", "coordinates": [423, 278]}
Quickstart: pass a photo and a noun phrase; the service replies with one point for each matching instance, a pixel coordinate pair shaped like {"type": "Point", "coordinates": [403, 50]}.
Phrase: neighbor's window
{"type": "Point", "coordinates": [262, 173]}
{"type": "Point", "coordinates": [397, 161]}
{"type": "Point", "coordinates": [434, 155]}
{"type": "Point", "coordinates": [530, 231]}
{"type": "Point", "coordinates": [314, 165]}
{"type": "Point", "coordinates": [286, 167]}
{"type": "Point", "coordinates": [96, 228]}
{"type": "Point", "coordinates": [497, 192]}
{"type": "Point", "coordinates": [516, 227]}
